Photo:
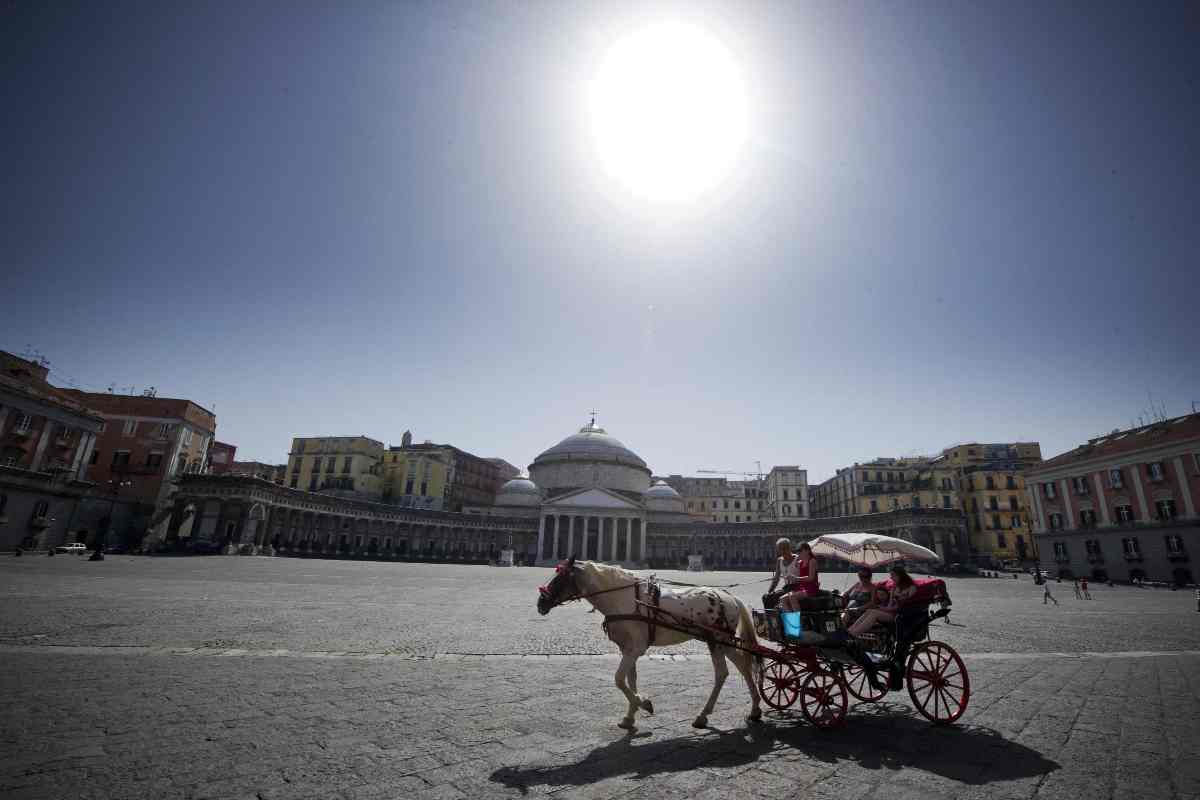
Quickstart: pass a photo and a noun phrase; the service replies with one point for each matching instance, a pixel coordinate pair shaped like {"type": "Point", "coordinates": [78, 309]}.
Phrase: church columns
{"type": "Point", "coordinates": [541, 535]}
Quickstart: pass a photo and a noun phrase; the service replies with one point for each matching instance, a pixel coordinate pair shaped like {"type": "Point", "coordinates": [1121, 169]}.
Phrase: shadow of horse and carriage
{"type": "Point", "coordinates": [885, 736]}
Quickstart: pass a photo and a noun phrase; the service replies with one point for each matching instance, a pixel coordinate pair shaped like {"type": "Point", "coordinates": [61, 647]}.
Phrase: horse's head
{"type": "Point", "coordinates": [561, 588]}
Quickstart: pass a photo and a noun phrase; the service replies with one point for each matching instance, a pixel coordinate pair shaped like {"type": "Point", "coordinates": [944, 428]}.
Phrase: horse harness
{"type": "Point", "coordinates": [654, 616]}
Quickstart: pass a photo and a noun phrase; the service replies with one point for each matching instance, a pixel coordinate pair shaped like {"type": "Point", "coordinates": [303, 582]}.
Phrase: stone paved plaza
{"type": "Point", "coordinates": [283, 678]}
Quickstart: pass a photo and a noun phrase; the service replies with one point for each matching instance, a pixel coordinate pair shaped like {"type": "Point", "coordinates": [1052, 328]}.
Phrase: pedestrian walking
{"type": "Point", "coordinates": [1046, 594]}
{"type": "Point", "coordinates": [1083, 588]}
{"type": "Point", "coordinates": [1078, 594]}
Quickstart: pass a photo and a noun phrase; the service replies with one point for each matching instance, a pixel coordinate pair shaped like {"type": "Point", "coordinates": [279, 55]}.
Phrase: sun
{"type": "Point", "coordinates": [668, 112]}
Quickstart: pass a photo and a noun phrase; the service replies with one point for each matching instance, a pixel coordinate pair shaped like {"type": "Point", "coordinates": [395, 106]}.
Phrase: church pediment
{"type": "Point", "coordinates": [593, 498]}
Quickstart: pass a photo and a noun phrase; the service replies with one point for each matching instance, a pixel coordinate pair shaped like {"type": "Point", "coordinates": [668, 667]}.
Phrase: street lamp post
{"type": "Point", "coordinates": [115, 484]}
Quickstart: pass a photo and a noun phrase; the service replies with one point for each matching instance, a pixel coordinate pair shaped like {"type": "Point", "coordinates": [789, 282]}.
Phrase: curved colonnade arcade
{"type": "Point", "coordinates": [246, 514]}
{"type": "Point", "coordinates": [252, 515]}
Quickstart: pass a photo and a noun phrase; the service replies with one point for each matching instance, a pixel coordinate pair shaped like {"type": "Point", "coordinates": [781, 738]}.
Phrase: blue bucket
{"type": "Point", "coordinates": [791, 624]}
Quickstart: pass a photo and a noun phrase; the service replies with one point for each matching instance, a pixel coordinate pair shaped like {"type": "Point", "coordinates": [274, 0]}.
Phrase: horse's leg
{"type": "Point", "coordinates": [628, 665]}
{"type": "Point", "coordinates": [643, 702]}
{"type": "Point", "coordinates": [745, 664]}
{"type": "Point", "coordinates": [720, 673]}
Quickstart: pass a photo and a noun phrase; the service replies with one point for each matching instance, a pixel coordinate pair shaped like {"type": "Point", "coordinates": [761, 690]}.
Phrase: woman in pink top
{"type": "Point", "coordinates": [803, 575]}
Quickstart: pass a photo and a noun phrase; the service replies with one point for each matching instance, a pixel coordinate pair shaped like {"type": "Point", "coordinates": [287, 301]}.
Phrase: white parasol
{"type": "Point", "coordinates": [869, 549]}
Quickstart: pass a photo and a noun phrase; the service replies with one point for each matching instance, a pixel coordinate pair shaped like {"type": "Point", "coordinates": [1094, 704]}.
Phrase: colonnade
{"type": "Point", "coordinates": [594, 537]}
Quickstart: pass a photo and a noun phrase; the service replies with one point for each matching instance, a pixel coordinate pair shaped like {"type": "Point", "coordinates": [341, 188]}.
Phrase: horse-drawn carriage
{"type": "Point", "coordinates": [810, 658]}
{"type": "Point", "coordinates": [816, 663]}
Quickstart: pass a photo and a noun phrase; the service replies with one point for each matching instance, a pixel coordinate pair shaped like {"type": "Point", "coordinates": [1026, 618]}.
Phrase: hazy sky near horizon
{"type": "Point", "coordinates": [948, 222]}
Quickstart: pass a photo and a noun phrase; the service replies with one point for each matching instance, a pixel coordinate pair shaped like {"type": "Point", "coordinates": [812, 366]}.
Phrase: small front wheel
{"type": "Point", "coordinates": [823, 699]}
{"type": "Point", "coordinates": [779, 683]}
{"type": "Point", "coordinates": [860, 686]}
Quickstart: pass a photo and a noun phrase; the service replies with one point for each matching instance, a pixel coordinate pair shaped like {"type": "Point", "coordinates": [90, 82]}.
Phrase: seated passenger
{"type": "Point", "coordinates": [803, 579]}
{"type": "Point", "coordinates": [903, 588]}
{"type": "Point", "coordinates": [859, 597]}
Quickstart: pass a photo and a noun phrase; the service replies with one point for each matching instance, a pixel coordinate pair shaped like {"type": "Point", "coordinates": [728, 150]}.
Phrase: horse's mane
{"type": "Point", "coordinates": [606, 576]}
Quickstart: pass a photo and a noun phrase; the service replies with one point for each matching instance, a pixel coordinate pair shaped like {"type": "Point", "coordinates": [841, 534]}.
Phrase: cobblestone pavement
{"type": "Point", "coordinates": [272, 678]}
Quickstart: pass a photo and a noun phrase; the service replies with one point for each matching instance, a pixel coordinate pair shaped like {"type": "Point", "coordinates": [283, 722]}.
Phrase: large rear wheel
{"type": "Point", "coordinates": [823, 699]}
{"type": "Point", "coordinates": [938, 682]}
{"type": "Point", "coordinates": [779, 683]}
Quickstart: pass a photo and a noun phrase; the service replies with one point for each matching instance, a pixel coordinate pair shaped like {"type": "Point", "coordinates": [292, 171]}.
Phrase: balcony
{"type": "Point", "coordinates": [1062, 559]}
{"type": "Point", "coordinates": [39, 522]}
{"type": "Point", "coordinates": [1095, 558]}
{"type": "Point", "coordinates": [1178, 557]}
{"type": "Point", "coordinates": [1133, 556]}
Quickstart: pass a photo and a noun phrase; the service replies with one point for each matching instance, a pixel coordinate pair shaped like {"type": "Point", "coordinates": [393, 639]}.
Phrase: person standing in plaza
{"type": "Point", "coordinates": [1078, 595]}
{"type": "Point", "coordinates": [1083, 588]}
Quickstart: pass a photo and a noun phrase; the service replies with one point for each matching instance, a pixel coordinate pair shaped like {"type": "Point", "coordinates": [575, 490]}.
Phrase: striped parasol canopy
{"type": "Point", "coordinates": [870, 549]}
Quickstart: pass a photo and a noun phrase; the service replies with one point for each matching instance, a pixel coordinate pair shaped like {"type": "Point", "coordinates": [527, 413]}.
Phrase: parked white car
{"type": "Point", "coordinates": [78, 548]}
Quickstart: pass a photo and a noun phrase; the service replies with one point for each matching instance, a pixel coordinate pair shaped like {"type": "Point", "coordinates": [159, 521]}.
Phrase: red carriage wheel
{"type": "Point", "coordinates": [938, 682]}
{"type": "Point", "coordinates": [823, 699]}
{"type": "Point", "coordinates": [779, 683]}
{"type": "Point", "coordinates": [860, 686]}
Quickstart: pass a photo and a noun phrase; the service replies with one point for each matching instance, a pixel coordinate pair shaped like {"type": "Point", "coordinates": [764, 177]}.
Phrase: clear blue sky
{"type": "Point", "coordinates": [951, 221]}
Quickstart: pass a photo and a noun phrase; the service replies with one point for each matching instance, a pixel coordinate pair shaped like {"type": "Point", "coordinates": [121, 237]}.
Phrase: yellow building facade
{"type": "Point", "coordinates": [350, 466]}
{"type": "Point", "coordinates": [992, 495]}
{"type": "Point", "coordinates": [418, 478]}
{"type": "Point", "coordinates": [886, 484]}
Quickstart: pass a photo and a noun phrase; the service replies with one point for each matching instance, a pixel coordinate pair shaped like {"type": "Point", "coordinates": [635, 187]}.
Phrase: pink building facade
{"type": "Point", "coordinates": [1123, 506]}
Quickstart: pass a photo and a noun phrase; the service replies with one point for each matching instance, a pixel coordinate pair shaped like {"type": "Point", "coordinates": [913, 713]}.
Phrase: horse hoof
{"type": "Point", "coordinates": [627, 724]}
{"type": "Point", "coordinates": [647, 706]}
{"type": "Point", "coordinates": [700, 722]}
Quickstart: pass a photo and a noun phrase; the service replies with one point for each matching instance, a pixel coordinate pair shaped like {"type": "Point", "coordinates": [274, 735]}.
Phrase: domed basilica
{"type": "Point", "coordinates": [594, 497]}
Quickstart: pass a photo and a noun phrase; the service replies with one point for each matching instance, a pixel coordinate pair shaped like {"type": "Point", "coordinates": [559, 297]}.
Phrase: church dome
{"type": "Point", "coordinates": [662, 489]}
{"type": "Point", "coordinates": [590, 458]}
{"type": "Point", "coordinates": [519, 492]}
{"type": "Point", "coordinates": [592, 443]}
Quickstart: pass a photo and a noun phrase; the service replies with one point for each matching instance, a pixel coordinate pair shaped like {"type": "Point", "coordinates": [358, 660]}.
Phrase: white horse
{"type": "Point", "coordinates": [611, 591]}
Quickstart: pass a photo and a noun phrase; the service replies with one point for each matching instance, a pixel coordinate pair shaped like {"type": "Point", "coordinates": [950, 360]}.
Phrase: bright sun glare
{"type": "Point", "coordinates": [668, 112]}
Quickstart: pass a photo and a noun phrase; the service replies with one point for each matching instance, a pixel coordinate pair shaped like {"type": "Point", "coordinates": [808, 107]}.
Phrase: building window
{"type": "Point", "coordinates": [187, 437]}
{"type": "Point", "coordinates": [95, 457]}
{"type": "Point", "coordinates": [1016, 521]}
{"type": "Point", "coordinates": [41, 508]}
{"type": "Point", "coordinates": [1080, 485]}
{"type": "Point", "coordinates": [1013, 505]}
{"type": "Point", "coordinates": [991, 484]}
{"type": "Point", "coordinates": [787, 511]}
{"type": "Point", "coordinates": [1174, 545]}
{"type": "Point", "coordinates": [1093, 547]}
{"type": "Point", "coordinates": [408, 486]}
{"type": "Point", "coordinates": [996, 521]}
{"type": "Point", "coordinates": [154, 461]}
{"type": "Point", "coordinates": [1001, 540]}
{"type": "Point", "coordinates": [760, 505]}
{"type": "Point", "coordinates": [874, 506]}
{"type": "Point", "coordinates": [1060, 552]}
{"type": "Point", "coordinates": [946, 501]}
{"type": "Point", "coordinates": [346, 464]}
{"type": "Point", "coordinates": [295, 481]}
{"type": "Point", "coordinates": [1124, 513]}
{"type": "Point", "coordinates": [1010, 482]}
{"type": "Point", "coordinates": [163, 431]}
{"type": "Point", "coordinates": [316, 464]}
{"type": "Point", "coordinates": [130, 427]}
{"type": "Point", "coordinates": [1131, 548]}
{"type": "Point", "coordinates": [1164, 509]}
{"type": "Point", "coordinates": [1155, 469]}
{"type": "Point", "coordinates": [714, 505]}
{"type": "Point", "coordinates": [1115, 479]}
{"type": "Point", "coordinates": [312, 483]}
{"type": "Point", "coordinates": [1087, 518]}
{"type": "Point", "coordinates": [916, 501]}
{"type": "Point", "coordinates": [120, 458]}
{"type": "Point", "coordinates": [993, 504]}
{"type": "Point", "coordinates": [424, 489]}
{"type": "Point", "coordinates": [725, 505]}
{"type": "Point", "coordinates": [331, 464]}
{"type": "Point", "coordinates": [1049, 490]}
{"type": "Point", "coordinates": [22, 423]}
{"type": "Point", "coordinates": [737, 505]}
{"type": "Point", "coordinates": [1056, 521]}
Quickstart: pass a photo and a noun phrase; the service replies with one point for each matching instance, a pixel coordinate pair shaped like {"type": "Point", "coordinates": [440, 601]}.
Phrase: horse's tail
{"type": "Point", "coordinates": [746, 630]}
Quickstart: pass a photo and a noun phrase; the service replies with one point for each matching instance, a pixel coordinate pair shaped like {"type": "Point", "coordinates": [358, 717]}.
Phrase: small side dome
{"type": "Point", "coordinates": [519, 492]}
{"type": "Point", "coordinates": [663, 489]}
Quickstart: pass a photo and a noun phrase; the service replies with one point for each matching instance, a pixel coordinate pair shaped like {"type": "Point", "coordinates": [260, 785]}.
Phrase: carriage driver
{"type": "Point", "coordinates": [785, 569]}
